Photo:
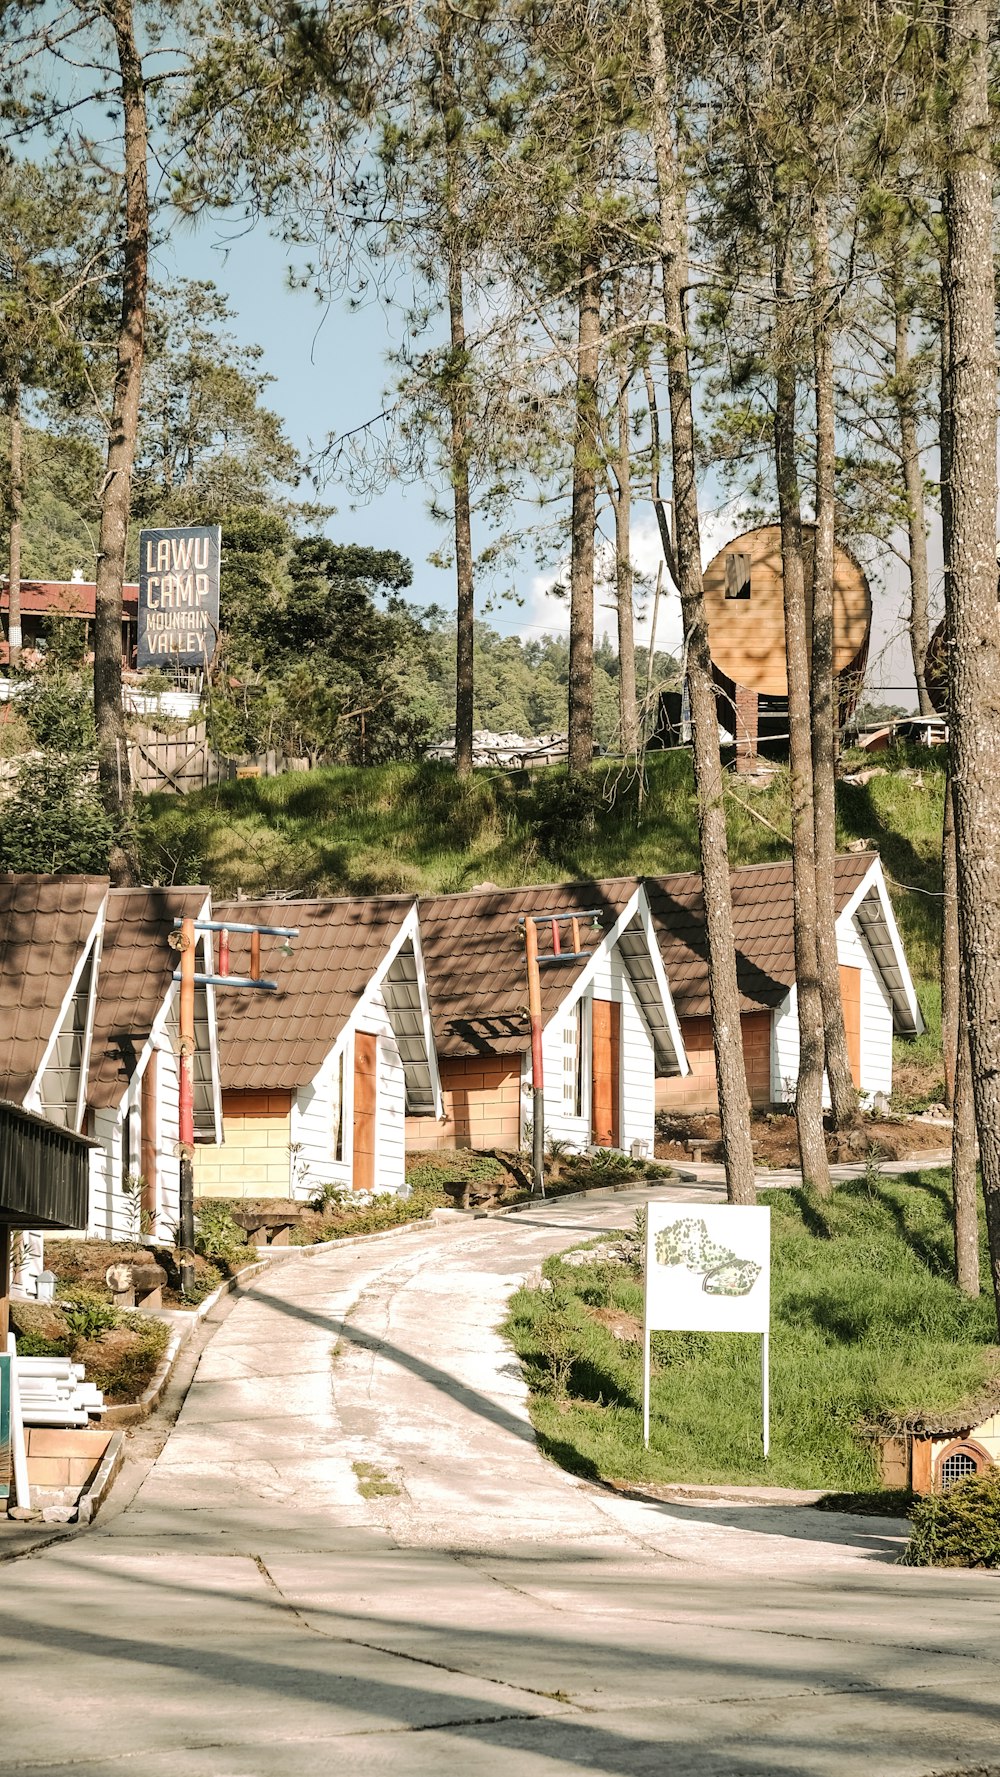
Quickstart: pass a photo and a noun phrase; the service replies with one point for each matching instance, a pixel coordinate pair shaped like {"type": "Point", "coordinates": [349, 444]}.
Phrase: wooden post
{"type": "Point", "coordinates": [186, 1102]}
{"type": "Point", "coordinates": [537, 1073]}
{"type": "Point", "coordinates": [255, 956]}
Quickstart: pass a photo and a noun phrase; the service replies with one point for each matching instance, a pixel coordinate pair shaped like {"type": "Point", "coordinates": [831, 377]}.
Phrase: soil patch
{"type": "Point", "coordinates": [775, 1143]}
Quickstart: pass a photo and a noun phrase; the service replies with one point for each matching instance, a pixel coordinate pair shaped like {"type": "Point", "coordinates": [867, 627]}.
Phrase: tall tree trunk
{"type": "Point", "coordinates": [734, 1099]}
{"type": "Point", "coordinates": [825, 710]}
{"type": "Point", "coordinates": [964, 1185]}
{"type": "Point", "coordinates": [628, 714]}
{"type": "Point", "coordinates": [14, 532]}
{"type": "Point", "coordinates": [950, 944]}
{"type": "Point", "coordinates": [913, 481]}
{"type": "Point", "coordinates": [809, 1090]}
{"type": "Point", "coordinates": [584, 519]}
{"type": "Point", "coordinates": [958, 1066]}
{"type": "Point", "coordinates": [973, 629]}
{"type": "Point", "coordinates": [458, 414]}
{"type": "Point", "coordinates": [116, 497]}
{"type": "Point", "coordinates": [951, 953]}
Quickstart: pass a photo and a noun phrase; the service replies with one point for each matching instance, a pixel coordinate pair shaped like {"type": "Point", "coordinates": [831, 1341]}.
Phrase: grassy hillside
{"type": "Point", "coordinates": [866, 1326]}
{"type": "Point", "coordinates": [404, 828]}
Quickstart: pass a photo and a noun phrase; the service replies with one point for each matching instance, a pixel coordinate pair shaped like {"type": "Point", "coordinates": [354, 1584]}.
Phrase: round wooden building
{"type": "Point", "coordinates": [746, 631]}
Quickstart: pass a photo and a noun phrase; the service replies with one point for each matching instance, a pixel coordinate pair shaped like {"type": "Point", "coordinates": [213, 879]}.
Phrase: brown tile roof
{"type": "Point", "coordinates": [137, 966]}
{"type": "Point", "coordinates": [280, 1040]}
{"type": "Point", "coordinates": [474, 957]}
{"type": "Point", "coordinates": [763, 920]}
{"type": "Point", "coordinates": [45, 923]}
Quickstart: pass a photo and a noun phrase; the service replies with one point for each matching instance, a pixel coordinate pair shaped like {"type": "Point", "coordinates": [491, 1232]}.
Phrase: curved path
{"type": "Point", "coordinates": [350, 1557]}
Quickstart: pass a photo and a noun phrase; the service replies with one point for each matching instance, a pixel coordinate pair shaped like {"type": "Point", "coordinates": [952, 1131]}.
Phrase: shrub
{"type": "Point", "coordinates": [88, 1314]}
{"type": "Point", "coordinates": [218, 1236]}
{"type": "Point", "coordinates": [202, 1284]}
{"type": "Point", "coordinates": [431, 1172]}
{"type": "Point", "coordinates": [960, 1528]}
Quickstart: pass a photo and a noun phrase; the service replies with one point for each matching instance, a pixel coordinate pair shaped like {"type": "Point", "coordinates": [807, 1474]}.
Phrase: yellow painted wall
{"type": "Point", "coordinates": [253, 1160]}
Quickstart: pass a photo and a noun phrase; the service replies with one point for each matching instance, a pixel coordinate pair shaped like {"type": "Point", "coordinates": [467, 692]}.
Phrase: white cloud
{"type": "Point", "coordinates": [543, 611]}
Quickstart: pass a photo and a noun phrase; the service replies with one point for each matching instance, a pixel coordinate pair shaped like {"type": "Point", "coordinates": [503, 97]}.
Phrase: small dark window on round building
{"type": "Point", "coordinates": [957, 1463]}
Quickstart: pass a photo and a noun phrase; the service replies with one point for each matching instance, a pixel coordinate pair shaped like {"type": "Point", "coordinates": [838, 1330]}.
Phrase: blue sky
{"type": "Point", "coordinates": [330, 373]}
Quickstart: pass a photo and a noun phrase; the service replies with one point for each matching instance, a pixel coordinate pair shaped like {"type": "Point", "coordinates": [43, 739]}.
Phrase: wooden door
{"type": "Point", "coordinates": [850, 993]}
{"type": "Point", "coordinates": [605, 1094]}
{"type": "Point", "coordinates": [365, 1102]}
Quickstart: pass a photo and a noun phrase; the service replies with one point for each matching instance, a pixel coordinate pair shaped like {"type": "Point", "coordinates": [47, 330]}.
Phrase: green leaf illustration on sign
{"type": "Point", "coordinates": [687, 1243]}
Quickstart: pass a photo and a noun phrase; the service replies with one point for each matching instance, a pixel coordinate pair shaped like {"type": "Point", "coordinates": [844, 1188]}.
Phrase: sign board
{"type": "Point", "coordinates": [179, 595]}
{"type": "Point", "coordinates": [708, 1270]}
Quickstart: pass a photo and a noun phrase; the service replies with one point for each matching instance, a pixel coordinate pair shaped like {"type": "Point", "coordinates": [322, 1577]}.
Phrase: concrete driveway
{"type": "Point", "coordinates": [350, 1557]}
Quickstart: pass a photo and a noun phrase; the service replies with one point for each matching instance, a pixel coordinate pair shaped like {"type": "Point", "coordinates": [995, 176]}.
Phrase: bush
{"type": "Point", "coordinates": [202, 1284]}
{"type": "Point", "coordinates": [88, 1314]}
{"type": "Point", "coordinates": [218, 1236]}
{"type": "Point", "coordinates": [431, 1172]}
{"type": "Point", "coordinates": [960, 1528]}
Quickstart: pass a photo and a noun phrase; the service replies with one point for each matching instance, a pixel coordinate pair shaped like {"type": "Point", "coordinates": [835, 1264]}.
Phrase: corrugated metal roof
{"type": "Point", "coordinates": [763, 920]}
{"type": "Point", "coordinates": [46, 924]}
{"type": "Point", "coordinates": [279, 1040]}
{"type": "Point", "coordinates": [71, 598]}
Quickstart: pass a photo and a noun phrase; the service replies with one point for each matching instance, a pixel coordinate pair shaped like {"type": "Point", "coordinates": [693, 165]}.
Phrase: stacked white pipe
{"type": "Point", "coordinates": [54, 1392]}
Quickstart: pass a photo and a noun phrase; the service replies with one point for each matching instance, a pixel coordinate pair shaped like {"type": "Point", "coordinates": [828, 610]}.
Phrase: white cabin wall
{"type": "Point", "coordinates": [168, 1132]}
{"type": "Point", "coordinates": [876, 1026]}
{"type": "Point", "coordinates": [105, 1174]}
{"type": "Point", "coordinates": [637, 1085]}
{"type": "Point", "coordinates": [638, 1090]}
{"type": "Point", "coordinates": [313, 1110]}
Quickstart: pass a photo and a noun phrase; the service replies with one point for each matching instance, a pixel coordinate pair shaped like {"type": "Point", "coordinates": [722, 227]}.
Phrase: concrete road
{"type": "Point", "coordinates": [350, 1557]}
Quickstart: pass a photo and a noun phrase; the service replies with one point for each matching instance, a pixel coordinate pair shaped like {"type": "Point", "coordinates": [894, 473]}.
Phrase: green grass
{"type": "Point", "coordinates": [865, 1323]}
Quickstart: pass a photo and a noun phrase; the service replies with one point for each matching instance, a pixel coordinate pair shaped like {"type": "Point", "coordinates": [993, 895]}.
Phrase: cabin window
{"type": "Point", "coordinates": [737, 574]}
{"type": "Point", "coordinates": [338, 1108]}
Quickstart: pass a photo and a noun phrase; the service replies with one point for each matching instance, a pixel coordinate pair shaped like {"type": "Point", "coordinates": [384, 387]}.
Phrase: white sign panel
{"type": "Point", "coordinates": [708, 1268]}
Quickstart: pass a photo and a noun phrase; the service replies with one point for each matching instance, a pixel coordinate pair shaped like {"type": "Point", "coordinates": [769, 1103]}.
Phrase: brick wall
{"type": "Point", "coordinates": [253, 1160]}
{"type": "Point", "coordinates": [698, 1090]}
{"type": "Point", "coordinates": [482, 1105]}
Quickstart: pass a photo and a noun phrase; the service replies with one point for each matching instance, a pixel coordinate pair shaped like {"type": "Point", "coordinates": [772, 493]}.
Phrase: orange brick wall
{"type": "Point", "coordinates": [254, 1159]}
{"type": "Point", "coordinates": [698, 1090]}
{"type": "Point", "coordinates": [482, 1105]}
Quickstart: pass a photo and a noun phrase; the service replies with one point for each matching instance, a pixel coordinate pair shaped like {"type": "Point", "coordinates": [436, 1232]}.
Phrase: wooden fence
{"type": "Point", "coordinates": [178, 763]}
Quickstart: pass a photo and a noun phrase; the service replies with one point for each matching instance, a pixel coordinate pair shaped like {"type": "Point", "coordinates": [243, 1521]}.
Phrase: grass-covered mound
{"type": "Point", "coordinates": [865, 1323]}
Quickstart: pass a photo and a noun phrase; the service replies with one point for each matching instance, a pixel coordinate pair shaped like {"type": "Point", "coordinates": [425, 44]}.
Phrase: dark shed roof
{"type": "Point", "coordinates": [763, 918]}
{"type": "Point", "coordinates": [474, 957]}
{"type": "Point", "coordinates": [46, 923]}
{"type": "Point", "coordinates": [280, 1040]}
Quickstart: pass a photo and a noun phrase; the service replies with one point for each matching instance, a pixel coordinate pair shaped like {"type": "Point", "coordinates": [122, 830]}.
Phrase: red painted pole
{"type": "Point", "coordinates": [556, 945]}
{"type": "Point", "coordinates": [223, 953]}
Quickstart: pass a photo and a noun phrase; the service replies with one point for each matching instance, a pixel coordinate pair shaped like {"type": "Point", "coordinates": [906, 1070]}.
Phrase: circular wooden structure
{"type": "Point", "coordinates": [746, 621]}
{"type": "Point", "coordinates": [936, 673]}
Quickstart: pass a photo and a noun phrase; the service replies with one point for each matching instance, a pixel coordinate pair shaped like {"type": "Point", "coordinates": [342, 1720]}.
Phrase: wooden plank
{"type": "Point", "coordinates": [605, 1095]}
{"type": "Point", "coordinates": [850, 993]}
{"type": "Point", "coordinates": [365, 1105]}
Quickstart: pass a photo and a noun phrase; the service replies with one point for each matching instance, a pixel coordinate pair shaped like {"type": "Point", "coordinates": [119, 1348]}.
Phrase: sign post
{"type": "Point", "coordinates": [708, 1270]}
{"type": "Point", "coordinates": [179, 595]}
